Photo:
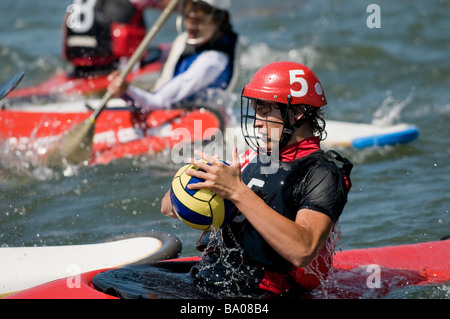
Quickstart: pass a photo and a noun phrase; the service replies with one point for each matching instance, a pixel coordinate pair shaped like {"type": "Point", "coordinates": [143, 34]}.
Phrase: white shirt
{"type": "Point", "coordinates": [206, 68]}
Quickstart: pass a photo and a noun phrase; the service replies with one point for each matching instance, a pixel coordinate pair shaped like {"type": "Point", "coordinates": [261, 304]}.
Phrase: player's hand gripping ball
{"type": "Point", "coordinates": [199, 208]}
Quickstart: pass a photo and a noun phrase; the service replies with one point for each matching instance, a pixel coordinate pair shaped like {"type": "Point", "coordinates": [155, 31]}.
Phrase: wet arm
{"type": "Point", "coordinates": [297, 241]}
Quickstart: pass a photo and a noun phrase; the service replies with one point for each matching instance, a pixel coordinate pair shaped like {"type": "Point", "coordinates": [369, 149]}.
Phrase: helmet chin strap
{"type": "Point", "coordinates": [288, 129]}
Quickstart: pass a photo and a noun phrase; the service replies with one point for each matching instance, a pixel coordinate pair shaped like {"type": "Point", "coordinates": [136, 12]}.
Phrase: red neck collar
{"type": "Point", "coordinates": [300, 149]}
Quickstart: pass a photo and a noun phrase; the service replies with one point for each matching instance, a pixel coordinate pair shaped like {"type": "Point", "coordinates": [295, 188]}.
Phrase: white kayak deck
{"type": "Point", "coordinates": [362, 135]}
{"type": "Point", "coordinates": [25, 267]}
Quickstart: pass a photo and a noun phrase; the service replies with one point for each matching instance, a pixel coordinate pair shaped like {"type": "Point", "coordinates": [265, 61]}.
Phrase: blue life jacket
{"type": "Point", "coordinates": [226, 44]}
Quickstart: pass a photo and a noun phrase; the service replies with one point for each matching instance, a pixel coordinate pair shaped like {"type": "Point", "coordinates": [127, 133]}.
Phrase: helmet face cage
{"type": "Point", "coordinates": [249, 131]}
{"type": "Point", "coordinates": [287, 84]}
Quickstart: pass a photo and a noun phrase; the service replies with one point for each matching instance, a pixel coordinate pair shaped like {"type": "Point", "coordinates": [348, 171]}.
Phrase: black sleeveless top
{"type": "Point", "coordinates": [314, 182]}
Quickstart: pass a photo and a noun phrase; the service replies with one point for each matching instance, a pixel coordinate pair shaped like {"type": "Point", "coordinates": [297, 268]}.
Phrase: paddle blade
{"type": "Point", "coordinates": [9, 85]}
{"type": "Point", "coordinates": [75, 147]}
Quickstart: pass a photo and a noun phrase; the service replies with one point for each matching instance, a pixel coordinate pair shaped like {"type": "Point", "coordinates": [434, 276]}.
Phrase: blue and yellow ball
{"type": "Point", "coordinates": [202, 208]}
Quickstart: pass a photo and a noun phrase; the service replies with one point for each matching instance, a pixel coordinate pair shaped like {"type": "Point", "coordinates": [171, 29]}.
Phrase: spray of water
{"type": "Point", "coordinates": [223, 273]}
{"type": "Point", "coordinates": [26, 156]}
{"type": "Point", "coordinates": [390, 109]}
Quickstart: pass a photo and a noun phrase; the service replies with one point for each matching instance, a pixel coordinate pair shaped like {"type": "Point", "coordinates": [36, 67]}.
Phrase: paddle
{"type": "Point", "coordinates": [76, 144]}
{"type": "Point", "coordinates": [9, 85]}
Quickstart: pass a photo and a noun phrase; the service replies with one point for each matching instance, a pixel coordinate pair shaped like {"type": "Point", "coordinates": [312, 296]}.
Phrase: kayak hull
{"type": "Point", "coordinates": [119, 130]}
{"type": "Point", "coordinates": [68, 288]}
{"type": "Point", "coordinates": [26, 267]}
{"type": "Point", "coordinates": [64, 84]}
{"type": "Point", "coordinates": [355, 270]}
{"type": "Point", "coordinates": [364, 135]}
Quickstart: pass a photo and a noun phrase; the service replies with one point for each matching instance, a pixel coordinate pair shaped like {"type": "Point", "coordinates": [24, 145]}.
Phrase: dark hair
{"type": "Point", "coordinates": [225, 26]}
{"type": "Point", "coordinates": [314, 116]}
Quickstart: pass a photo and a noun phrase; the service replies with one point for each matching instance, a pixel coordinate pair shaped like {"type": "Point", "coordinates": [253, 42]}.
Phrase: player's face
{"type": "Point", "coordinates": [268, 122]}
{"type": "Point", "coordinates": [199, 22]}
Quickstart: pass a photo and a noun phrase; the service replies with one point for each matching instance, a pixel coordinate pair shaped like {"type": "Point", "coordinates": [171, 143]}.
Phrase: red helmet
{"type": "Point", "coordinates": [286, 82]}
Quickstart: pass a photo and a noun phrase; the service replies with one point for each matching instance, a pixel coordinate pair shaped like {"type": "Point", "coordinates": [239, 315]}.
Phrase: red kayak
{"type": "Point", "coordinates": [64, 84]}
{"type": "Point", "coordinates": [356, 274]}
{"type": "Point", "coordinates": [118, 132]}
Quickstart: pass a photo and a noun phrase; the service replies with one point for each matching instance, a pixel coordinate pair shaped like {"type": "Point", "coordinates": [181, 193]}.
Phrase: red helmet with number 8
{"type": "Point", "coordinates": [280, 81]}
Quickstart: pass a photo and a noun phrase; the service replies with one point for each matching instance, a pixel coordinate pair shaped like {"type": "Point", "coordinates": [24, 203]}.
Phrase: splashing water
{"type": "Point", "coordinates": [26, 156]}
{"type": "Point", "coordinates": [389, 110]}
{"type": "Point", "coordinates": [223, 273]}
{"type": "Point", "coordinates": [328, 280]}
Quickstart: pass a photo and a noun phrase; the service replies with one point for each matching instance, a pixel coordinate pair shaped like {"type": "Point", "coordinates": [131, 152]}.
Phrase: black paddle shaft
{"type": "Point", "coordinates": [10, 84]}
